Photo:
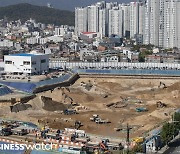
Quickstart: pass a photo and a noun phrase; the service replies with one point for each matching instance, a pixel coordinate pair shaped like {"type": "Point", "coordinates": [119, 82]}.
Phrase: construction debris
{"type": "Point", "coordinates": [159, 104]}
{"type": "Point", "coordinates": [117, 105]}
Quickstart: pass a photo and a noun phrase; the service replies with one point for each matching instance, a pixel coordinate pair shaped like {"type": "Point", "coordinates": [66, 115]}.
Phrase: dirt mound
{"type": "Point", "coordinates": [175, 86]}
{"type": "Point", "coordinates": [110, 85]}
{"type": "Point", "coordinates": [20, 107]}
{"type": "Point", "coordinates": [89, 98]}
{"type": "Point", "coordinates": [50, 105]}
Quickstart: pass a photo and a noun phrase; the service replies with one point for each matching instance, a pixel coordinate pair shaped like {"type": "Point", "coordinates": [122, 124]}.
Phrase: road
{"type": "Point", "coordinates": [174, 147]}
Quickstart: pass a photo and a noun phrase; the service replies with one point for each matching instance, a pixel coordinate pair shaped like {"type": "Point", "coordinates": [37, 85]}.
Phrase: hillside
{"type": "Point", "coordinates": [39, 13]}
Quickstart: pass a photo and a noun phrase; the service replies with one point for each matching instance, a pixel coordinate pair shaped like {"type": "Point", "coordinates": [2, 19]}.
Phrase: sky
{"type": "Point", "coordinates": [59, 4]}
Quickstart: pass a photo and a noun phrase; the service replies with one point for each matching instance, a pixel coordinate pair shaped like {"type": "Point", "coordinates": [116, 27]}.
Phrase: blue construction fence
{"type": "Point", "coordinates": [128, 72]}
{"type": "Point", "coordinates": [29, 87]}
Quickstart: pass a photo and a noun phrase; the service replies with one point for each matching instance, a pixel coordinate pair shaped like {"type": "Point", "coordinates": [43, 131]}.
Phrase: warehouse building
{"type": "Point", "coordinates": [26, 63]}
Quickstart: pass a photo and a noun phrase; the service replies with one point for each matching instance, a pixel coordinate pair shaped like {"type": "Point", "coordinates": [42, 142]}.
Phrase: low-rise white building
{"type": "Point", "coordinates": [26, 63]}
{"type": "Point", "coordinates": [6, 43]}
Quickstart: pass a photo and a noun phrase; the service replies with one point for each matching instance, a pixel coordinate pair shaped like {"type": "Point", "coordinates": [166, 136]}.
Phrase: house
{"type": "Point", "coordinates": [153, 144]}
{"type": "Point", "coordinates": [153, 58]}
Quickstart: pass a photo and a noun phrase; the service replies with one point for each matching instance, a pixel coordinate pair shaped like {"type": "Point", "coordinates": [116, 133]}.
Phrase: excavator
{"type": "Point", "coordinates": [163, 85]}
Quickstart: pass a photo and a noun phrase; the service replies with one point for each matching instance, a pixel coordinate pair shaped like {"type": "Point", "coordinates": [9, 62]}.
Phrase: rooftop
{"type": "Point", "coordinates": [25, 54]}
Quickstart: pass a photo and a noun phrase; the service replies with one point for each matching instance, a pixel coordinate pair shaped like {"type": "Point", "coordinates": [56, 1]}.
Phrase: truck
{"type": "Point", "coordinates": [70, 112]}
{"type": "Point", "coordinates": [5, 131]}
{"type": "Point", "coordinates": [19, 131]}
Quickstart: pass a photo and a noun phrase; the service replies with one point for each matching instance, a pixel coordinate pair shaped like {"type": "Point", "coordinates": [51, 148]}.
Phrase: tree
{"type": "Point", "coordinates": [143, 54]}
{"type": "Point", "coordinates": [167, 132]}
{"type": "Point", "coordinates": [138, 148]}
{"type": "Point", "coordinates": [177, 120]}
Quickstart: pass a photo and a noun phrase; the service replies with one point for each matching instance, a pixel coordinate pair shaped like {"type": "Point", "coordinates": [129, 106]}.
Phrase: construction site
{"type": "Point", "coordinates": [101, 105]}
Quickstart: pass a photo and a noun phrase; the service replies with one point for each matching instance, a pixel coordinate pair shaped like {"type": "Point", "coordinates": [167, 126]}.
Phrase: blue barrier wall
{"type": "Point", "coordinates": [4, 90]}
{"type": "Point", "coordinates": [30, 87]}
{"type": "Point", "coordinates": [26, 87]}
{"type": "Point", "coordinates": [129, 72]}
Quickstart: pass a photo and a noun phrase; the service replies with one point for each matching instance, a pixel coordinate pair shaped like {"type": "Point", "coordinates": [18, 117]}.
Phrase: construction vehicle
{"type": "Point", "coordinates": [163, 85]}
{"type": "Point", "coordinates": [138, 140]}
{"type": "Point", "coordinates": [5, 131]}
{"type": "Point", "coordinates": [98, 120]}
{"type": "Point", "coordinates": [70, 112]}
{"type": "Point", "coordinates": [159, 104]}
{"type": "Point", "coordinates": [94, 117]}
{"type": "Point", "coordinates": [20, 132]}
{"type": "Point", "coordinates": [77, 124]}
{"type": "Point", "coordinates": [141, 109]}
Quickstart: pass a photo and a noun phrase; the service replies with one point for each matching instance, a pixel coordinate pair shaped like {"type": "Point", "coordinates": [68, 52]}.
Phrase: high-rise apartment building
{"type": "Point", "coordinates": [162, 23]}
{"type": "Point", "coordinates": [171, 24]}
{"type": "Point", "coordinates": [157, 22]}
{"type": "Point", "coordinates": [134, 18]}
{"type": "Point", "coordinates": [115, 22]}
{"type": "Point", "coordinates": [93, 18]}
{"type": "Point", "coordinates": [126, 19]}
{"type": "Point", "coordinates": [151, 32]}
{"type": "Point", "coordinates": [103, 22]}
{"type": "Point", "coordinates": [81, 20]}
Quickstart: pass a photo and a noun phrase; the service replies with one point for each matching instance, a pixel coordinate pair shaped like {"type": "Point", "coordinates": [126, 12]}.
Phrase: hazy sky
{"type": "Point", "coordinates": [60, 4]}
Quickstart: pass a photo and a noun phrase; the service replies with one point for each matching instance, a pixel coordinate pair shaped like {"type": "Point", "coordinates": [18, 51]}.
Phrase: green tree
{"type": "Point", "coordinates": [138, 148]}
{"type": "Point", "coordinates": [177, 121]}
{"type": "Point", "coordinates": [143, 54]}
{"type": "Point", "coordinates": [167, 132]}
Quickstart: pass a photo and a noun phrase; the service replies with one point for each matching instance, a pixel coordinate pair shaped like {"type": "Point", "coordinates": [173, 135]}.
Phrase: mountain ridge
{"type": "Point", "coordinates": [59, 4]}
{"type": "Point", "coordinates": [43, 14]}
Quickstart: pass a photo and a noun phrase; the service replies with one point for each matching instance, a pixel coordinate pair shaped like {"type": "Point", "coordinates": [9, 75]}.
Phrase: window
{"type": "Point", "coordinates": [8, 62]}
{"type": "Point", "coordinates": [34, 63]}
{"type": "Point", "coordinates": [26, 62]}
{"type": "Point", "coordinates": [43, 60]}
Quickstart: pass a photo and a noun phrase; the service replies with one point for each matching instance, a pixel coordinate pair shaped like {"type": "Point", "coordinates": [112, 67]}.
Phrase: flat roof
{"type": "Point", "coordinates": [22, 54]}
{"type": "Point", "coordinates": [25, 54]}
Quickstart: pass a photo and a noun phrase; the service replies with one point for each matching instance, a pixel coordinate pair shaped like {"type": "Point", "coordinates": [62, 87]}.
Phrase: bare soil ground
{"type": "Point", "coordinates": [93, 95]}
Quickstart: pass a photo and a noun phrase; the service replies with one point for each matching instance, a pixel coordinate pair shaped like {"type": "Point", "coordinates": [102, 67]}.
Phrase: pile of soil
{"type": "Point", "coordinates": [50, 105]}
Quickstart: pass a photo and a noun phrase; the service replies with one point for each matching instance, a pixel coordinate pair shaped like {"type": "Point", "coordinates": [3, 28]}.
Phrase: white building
{"type": "Point", "coordinates": [137, 10]}
{"type": "Point", "coordinates": [6, 43]}
{"type": "Point", "coordinates": [61, 31]}
{"type": "Point", "coordinates": [171, 24]}
{"type": "Point", "coordinates": [134, 19]}
{"type": "Point", "coordinates": [93, 18]}
{"type": "Point", "coordinates": [81, 15]}
{"type": "Point", "coordinates": [126, 19]}
{"type": "Point", "coordinates": [151, 32]}
{"type": "Point", "coordinates": [103, 22]}
{"type": "Point", "coordinates": [115, 22]}
{"type": "Point", "coordinates": [26, 63]}
{"type": "Point", "coordinates": [32, 40]}
{"type": "Point", "coordinates": [162, 23]}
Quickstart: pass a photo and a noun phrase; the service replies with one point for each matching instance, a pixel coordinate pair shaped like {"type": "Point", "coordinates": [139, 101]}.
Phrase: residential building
{"type": "Point", "coordinates": [115, 22]}
{"type": "Point", "coordinates": [81, 24]}
{"type": "Point", "coordinates": [93, 18]}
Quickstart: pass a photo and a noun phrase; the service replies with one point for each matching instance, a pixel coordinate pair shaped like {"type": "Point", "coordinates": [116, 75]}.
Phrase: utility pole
{"type": "Point", "coordinates": [127, 137]}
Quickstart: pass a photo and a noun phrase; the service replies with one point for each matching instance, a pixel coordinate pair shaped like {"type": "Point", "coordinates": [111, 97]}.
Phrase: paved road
{"type": "Point", "coordinates": [174, 147]}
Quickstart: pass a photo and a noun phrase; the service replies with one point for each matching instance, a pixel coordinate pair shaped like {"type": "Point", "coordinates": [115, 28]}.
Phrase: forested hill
{"type": "Point", "coordinates": [41, 14]}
